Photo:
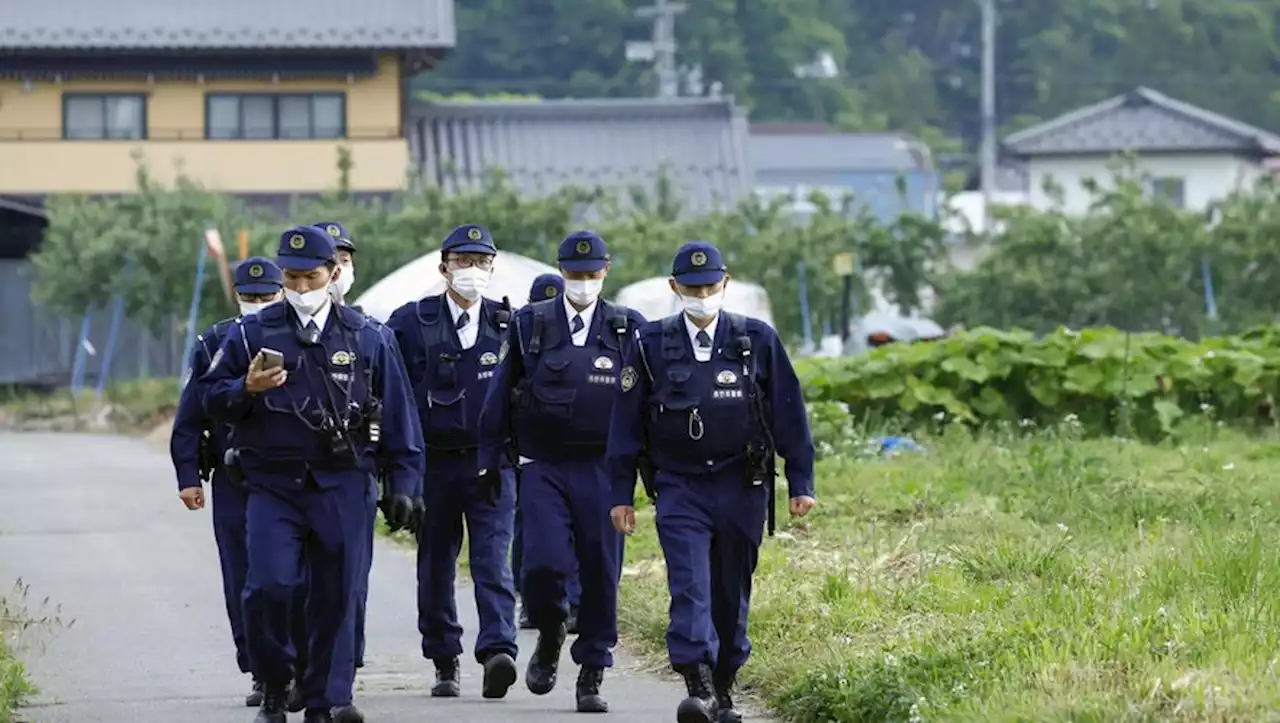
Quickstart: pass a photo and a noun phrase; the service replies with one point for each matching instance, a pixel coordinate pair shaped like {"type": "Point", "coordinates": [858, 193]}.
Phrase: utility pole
{"type": "Point", "coordinates": [988, 109]}
{"type": "Point", "coordinates": [663, 46]}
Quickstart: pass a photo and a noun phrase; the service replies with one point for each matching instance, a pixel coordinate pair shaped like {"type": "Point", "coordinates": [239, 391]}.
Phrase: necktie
{"type": "Point", "coordinates": [703, 339]}
{"type": "Point", "coordinates": [577, 324]}
{"type": "Point", "coordinates": [463, 320]}
{"type": "Point", "coordinates": [312, 329]}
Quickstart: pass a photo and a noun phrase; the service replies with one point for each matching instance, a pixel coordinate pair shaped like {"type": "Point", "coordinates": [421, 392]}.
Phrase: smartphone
{"type": "Point", "coordinates": [272, 359]}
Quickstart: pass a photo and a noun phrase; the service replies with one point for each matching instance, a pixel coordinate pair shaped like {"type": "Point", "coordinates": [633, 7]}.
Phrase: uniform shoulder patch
{"type": "Point", "coordinates": [629, 378]}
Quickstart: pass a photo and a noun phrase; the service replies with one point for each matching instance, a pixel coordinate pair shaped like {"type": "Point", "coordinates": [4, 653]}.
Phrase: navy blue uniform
{"type": "Point", "coordinates": [308, 452]}
{"type": "Point", "coordinates": [545, 286]}
{"type": "Point", "coordinates": [697, 420]}
{"type": "Point", "coordinates": [195, 434]}
{"type": "Point", "coordinates": [449, 384]}
{"type": "Point", "coordinates": [558, 421]}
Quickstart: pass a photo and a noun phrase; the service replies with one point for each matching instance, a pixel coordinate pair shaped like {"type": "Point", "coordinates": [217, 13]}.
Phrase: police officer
{"type": "Point", "coordinates": [551, 398]}
{"type": "Point", "coordinates": [315, 393]}
{"type": "Point", "coordinates": [712, 396]}
{"type": "Point", "coordinates": [452, 343]}
{"type": "Point", "coordinates": [196, 446]}
{"type": "Point", "coordinates": [545, 286]}
{"type": "Point", "coordinates": [345, 251]}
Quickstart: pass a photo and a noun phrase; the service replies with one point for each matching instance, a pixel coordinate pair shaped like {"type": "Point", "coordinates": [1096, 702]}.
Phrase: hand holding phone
{"type": "Point", "coordinates": [266, 371]}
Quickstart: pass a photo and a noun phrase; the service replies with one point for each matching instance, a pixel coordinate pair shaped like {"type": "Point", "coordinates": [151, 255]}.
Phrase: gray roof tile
{"type": "Point", "coordinates": [545, 145]}
{"type": "Point", "coordinates": [773, 151]}
{"type": "Point", "coordinates": [1142, 121]}
{"type": "Point", "coordinates": [225, 24]}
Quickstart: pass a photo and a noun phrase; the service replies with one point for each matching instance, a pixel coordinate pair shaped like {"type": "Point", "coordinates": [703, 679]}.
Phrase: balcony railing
{"type": "Point", "coordinates": [12, 134]}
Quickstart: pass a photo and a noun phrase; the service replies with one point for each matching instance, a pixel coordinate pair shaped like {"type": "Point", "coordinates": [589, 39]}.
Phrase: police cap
{"type": "Point", "coordinates": [546, 286]}
{"type": "Point", "coordinates": [469, 239]}
{"type": "Point", "coordinates": [583, 252]}
{"type": "Point", "coordinates": [258, 275]}
{"type": "Point", "coordinates": [303, 248]}
{"type": "Point", "coordinates": [698, 263]}
{"type": "Point", "coordinates": [341, 237]}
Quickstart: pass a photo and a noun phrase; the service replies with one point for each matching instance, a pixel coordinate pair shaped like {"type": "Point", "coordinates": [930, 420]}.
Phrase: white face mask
{"type": "Point", "coordinates": [249, 308]}
{"type": "Point", "coordinates": [583, 292]}
{"type": "Point", "coordinates": [470, 282]}
{"type": "Point", "coordinates": [346, 278]}
{"type": "Point", "coordinates": [703, 308]}
{"type": "Point", "coordinates": [308, 303]}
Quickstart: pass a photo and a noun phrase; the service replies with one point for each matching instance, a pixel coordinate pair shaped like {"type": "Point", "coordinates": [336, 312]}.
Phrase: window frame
{"type": "Point", "coordinates": [1159, 186]}
{"type": "Point", "coordinates": [276, 99]}
{"type": "Point", "coordinates": [143, 98]}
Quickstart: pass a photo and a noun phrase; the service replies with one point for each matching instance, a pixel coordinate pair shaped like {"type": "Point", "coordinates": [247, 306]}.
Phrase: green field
{"type": "Point", "coordinates": [1015, 578]}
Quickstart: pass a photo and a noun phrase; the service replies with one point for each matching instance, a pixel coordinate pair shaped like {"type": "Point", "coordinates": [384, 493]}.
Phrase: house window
{"type": "Point", "coordinates": [1169, 190]}
{"type": "Point", "coordinates": [262, 116]}
{"type": "Point", "coordinates": [104, 117]}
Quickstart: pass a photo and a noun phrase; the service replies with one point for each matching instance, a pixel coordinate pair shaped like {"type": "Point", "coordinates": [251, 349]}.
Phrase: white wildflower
{"type": "Point", "coordinates": [1229, 466]}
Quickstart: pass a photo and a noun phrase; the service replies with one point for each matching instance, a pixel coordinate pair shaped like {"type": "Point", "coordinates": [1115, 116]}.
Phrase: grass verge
{"type": "Point", "coordinates": [14, 687]}
{"type": "Point", "coordinates": [126, 406]}
{"type": "Point", "coordinates": [1015, 578]}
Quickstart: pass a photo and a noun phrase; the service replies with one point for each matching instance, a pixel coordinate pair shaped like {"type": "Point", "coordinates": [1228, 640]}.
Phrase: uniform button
{"type": "Point", "coordinates": [711, 463]}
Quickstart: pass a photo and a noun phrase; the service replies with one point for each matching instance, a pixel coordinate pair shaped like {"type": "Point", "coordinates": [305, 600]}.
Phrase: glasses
{"type": "Point", "coordinates": [479, 261]}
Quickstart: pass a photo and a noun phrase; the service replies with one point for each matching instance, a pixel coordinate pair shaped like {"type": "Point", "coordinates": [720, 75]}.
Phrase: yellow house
{"type": "Point", "coordinates": [253, 97]}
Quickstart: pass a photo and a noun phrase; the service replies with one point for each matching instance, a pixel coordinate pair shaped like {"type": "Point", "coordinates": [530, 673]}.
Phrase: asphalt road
{"type": "Point", "coordinates": [93, 523]}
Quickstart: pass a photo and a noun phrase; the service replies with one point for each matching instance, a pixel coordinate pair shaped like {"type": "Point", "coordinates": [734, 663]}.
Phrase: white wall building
{"type": "Point", "coordinates": [1194, 156]}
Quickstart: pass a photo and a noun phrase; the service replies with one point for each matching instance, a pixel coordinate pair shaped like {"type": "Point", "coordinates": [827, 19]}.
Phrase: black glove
{"type": "Point", "coordinates": [419, 519]}
{"type": "Point", "coordinates": [490, 486]}
{"type": "Point", "coordinates": [400, 509]}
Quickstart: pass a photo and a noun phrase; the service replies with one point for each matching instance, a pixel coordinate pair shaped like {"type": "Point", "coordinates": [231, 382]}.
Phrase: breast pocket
{"type": "Point", "coordinates": [446, 413]}
{"type": "Point", "coordinates": [552, 390]}
{"type": "Point", "coordinates": [674, 406]}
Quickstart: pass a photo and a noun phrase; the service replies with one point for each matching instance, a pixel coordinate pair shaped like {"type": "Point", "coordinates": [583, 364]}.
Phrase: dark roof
{"type": "Point", "coordinates": [1142, 121]}
{"type": "Point", "coordinates": [226, 24]}
{"type": "Point", "coordinates": [772, 150]}
{"type": "Point", "coordinates": [611, 143]}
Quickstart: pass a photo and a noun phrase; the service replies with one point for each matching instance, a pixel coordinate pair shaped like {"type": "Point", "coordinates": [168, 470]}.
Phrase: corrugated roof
{"type": "Point", "coordinates": [779, 151]}
{"type": "Point", "coordinates": [1142, 121]}
{"type": "Point", "coordinates": [545, 145]}
{"type": "Point", "coordinates": [226, 24]}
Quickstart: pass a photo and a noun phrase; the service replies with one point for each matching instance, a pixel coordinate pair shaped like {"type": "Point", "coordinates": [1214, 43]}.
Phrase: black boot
{"type": "Point", "coordinates": [499, 675]}
{"type": "Point", "coordinates": [526, 622]}
{"type": "Point", "coordinates": [317, 716]}
{"type": "Point", "coordinates": [447, 684]}
{"type": "Point", "coordinates": [254, 699]}
{"type": "Point", "coordinates": [588, 693]}
{"type": "Point", "coordinates": [296, 702]}
{"type": "Point", "coordinates": [724, 700]}
{"type": "Point", "coordinates": [540, 676]}
{"type": "Point", "coordinates": [572, 622]}
{"type": "Point", "coordinates": [700, 706]}
{"type": "Point", "coordinates": [273, 705]}
{"type": "Point", "coordinates": [347, 714]}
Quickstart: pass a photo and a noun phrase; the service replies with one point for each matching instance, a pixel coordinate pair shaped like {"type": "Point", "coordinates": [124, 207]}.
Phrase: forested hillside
{"type": "Point", "coordinates": [911, 65]}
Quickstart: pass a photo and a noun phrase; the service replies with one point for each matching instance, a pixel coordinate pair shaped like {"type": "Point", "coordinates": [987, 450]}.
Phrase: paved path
{"type": "Point", "coordinates": [94, 524]}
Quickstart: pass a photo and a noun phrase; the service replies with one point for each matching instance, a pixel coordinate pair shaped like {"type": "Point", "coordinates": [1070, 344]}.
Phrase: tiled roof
{"type": "Point", "coordinates": [544, 145]}
{"type": "Point", "coordinates": [791, 151]}
{"type": "Point", "coordinates": [1141, 121]}
{"type": "Point", "coordinates": [225, 24]}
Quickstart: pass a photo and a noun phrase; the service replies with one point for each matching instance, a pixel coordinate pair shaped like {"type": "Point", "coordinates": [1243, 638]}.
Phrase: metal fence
{"type": "Point", "coordinates": [39, 347]}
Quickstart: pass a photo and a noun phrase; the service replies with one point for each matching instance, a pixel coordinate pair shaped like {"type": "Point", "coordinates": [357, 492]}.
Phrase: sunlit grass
{"type": "Point", "coordinates": [1015, 578]}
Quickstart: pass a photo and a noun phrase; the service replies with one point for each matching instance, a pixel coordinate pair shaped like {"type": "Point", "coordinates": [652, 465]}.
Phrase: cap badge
{"type": "Point", "coordinates": [698, 258]}
{"type": "Point", "coordinates": [297, 241]}
{"type": "Point", "coordinates": [474, 234]}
